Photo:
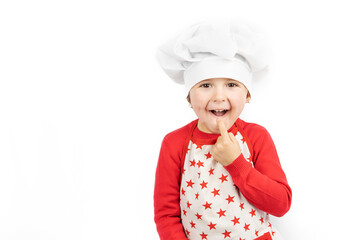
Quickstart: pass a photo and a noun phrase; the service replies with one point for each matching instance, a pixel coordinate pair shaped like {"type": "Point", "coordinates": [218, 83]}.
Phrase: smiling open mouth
{"type": "Point", "coordinates": [219, 113]}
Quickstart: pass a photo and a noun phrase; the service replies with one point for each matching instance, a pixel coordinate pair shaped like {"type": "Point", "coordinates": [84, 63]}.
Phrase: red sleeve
{"type": "Point", "coordinates": [167, 189]}
{"type": "Point", "coordinates": [265, 186]}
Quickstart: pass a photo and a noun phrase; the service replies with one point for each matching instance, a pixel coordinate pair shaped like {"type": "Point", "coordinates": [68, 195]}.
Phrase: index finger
{"type": "Point", "coordinates": [223, 130]}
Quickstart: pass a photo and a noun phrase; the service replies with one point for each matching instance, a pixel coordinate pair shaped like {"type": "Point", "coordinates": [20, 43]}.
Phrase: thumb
{"type": "Point", "coordinates": [232, 137]}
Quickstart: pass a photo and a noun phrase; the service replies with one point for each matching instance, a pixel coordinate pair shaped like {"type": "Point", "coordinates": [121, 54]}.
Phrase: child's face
{"type": "Point", "coordinates": [218, 98]}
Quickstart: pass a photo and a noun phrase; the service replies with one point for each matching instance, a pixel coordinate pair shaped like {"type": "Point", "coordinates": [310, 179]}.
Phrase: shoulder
{"type": "Point", "coordinates": [259, 139]}
{"type": "Point", "coordinates": [253, 131]}
{"type": "Point", "coordinates": [178, 136]}
{"type": "Point", "coordinates": [173, 143]}
{"type": "Point", "coordinates": [257, 135]}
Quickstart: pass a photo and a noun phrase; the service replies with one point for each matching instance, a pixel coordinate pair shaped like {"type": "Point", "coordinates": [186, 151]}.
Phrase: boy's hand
{"type": "Point", "coordinates": [226, 148]}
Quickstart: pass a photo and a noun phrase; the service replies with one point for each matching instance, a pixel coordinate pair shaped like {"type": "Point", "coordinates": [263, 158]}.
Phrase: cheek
{"type": "Point", "coordinates": [196, 105]}
{"type": "Point", "coordinates": [198, 102]}
{"type": "Point", "coordinates": [238, 103]}
{"type": "Point", "coordinates": [199, 109]}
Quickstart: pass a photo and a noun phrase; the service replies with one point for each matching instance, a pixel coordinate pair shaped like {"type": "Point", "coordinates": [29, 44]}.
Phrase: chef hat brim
{"type": "Point", "coordinates": [216, 67]}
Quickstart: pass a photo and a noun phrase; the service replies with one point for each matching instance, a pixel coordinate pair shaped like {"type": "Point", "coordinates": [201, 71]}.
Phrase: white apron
{"type": "Point", "coordinates": [212, 207]}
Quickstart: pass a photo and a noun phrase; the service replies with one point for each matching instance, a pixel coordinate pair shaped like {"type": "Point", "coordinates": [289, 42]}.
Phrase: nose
{"type": "Point", "coordinates": [219, 95]}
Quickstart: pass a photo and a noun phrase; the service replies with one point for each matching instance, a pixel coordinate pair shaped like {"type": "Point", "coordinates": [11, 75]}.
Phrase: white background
{"type": "Point", "coordinates": [84, 107]}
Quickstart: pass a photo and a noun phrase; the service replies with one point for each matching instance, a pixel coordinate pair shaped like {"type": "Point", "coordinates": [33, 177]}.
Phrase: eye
{"type": "Point", "coordinates": [232, 85]}
{"type": "Point", "coordinates": [205, 85]}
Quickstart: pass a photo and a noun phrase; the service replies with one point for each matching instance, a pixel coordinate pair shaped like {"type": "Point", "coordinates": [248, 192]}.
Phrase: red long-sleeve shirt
{"type": "Point", "coordinates": [264, 185]}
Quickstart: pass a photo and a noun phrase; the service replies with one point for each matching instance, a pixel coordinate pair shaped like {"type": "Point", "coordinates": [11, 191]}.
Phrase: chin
{"type": "Point", "coordinates": [212, 127]}
{"type": "Point", "coordinates": [228, 124]}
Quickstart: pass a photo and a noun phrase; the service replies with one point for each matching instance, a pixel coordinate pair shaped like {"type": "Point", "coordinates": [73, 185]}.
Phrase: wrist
{"type": "Point", "coordinates": [239, 166]}
{"type": "Point", "coordinates": [228, 162]}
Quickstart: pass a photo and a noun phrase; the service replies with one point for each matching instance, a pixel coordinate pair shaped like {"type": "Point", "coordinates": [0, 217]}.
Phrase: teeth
{"type": "Point", "coordinates": [219, 112]}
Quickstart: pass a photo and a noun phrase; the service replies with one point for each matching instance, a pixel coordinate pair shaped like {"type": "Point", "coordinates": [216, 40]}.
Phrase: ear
{"type": "Point", "coordinates": [248, 97]}
{"type": "Point", "coordinates": [188, 99]}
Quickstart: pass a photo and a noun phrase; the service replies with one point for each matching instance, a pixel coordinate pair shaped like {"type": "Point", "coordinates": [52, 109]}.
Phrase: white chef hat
{"type": "Point", "coordinates": [214, 49]}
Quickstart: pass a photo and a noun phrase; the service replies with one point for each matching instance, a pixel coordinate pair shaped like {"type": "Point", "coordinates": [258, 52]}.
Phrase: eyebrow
{"type": "Point", "coordinates": [231, 80]}
{"type": "Point", "coordinates": [211, 80]}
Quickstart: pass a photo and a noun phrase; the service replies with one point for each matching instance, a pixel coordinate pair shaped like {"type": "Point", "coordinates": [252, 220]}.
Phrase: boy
{"type": "Point", "coordinates": [218, 177]}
